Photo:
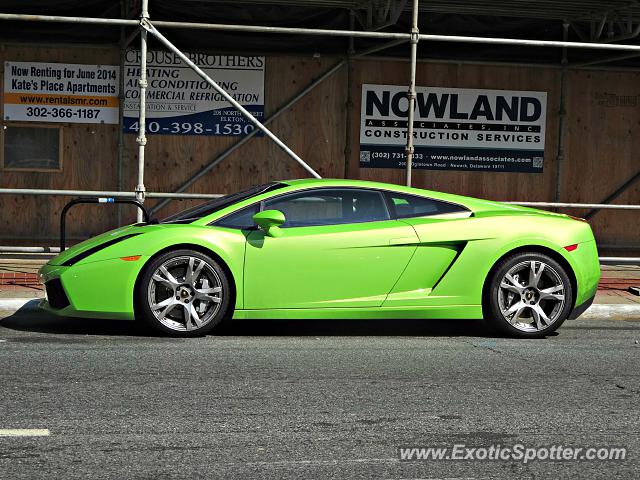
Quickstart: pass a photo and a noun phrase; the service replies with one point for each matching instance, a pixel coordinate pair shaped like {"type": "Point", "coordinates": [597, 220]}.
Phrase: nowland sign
{"type": "Point", "coordinates": [454, 129]}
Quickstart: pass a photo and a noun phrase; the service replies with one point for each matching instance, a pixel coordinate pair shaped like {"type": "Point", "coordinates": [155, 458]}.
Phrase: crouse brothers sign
{"type": "Point", "coordinates": [454, 129]}
{"type": "Point", "coordinates": [179, 102]}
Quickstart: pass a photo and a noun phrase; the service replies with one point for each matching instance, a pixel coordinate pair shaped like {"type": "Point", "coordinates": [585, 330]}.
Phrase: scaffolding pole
{"type": "Point", "coordinates": [113, 22]}
{"type": "Point", "coordinates": [411, 95]}
{"type": "Point", "coordinates": [142, 114]}
{"type": "Point", "coordinates": [603, 206]}
{"type": "Point", "coordinates": [348, 106]}
{"type": "Point", "coordinates": [151, 29]}
{"type": "Point", "coordinates": [124, 10]}
{"type": "Point", "coordinates": [106, 193]}
{"type": "Point", "coordinates": [191, 196]}
{"type": "Point", "coordinates": [562, 116]}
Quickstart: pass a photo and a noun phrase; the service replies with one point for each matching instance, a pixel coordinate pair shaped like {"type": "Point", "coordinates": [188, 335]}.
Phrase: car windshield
{"type": "Point", "coordinates": [204, 209]}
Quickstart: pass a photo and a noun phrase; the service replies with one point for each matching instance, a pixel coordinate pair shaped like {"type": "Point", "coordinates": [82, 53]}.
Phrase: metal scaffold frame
{"type": "Point", "coordinates": [413, 37]}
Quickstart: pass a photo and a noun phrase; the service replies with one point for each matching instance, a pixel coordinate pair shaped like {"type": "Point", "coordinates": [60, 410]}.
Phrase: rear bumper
{"type": "Point", "coordinates": [580, 309]}
{"type": "Point", "coordinates": [586, 267]}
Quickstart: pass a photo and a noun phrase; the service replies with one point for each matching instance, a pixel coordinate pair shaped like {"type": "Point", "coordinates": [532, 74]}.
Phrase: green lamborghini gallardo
{"type": "Point", "coordinates": [333, 249]}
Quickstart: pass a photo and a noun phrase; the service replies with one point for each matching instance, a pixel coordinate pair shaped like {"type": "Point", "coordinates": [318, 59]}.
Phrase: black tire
{"type": "Point", "coordinates": [186, 298]}
{"type": "Point", "coordinates": [526, 301]}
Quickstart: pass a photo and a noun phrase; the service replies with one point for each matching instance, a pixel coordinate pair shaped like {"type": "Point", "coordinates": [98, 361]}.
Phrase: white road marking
{"type": "Point", "coordinates": [24, 432]}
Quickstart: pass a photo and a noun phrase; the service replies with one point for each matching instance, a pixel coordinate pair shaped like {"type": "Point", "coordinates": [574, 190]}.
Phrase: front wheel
{"type": "Point", "coordinates": [530, 295]}
{"type": "Point", "coordinates": [183, 293]}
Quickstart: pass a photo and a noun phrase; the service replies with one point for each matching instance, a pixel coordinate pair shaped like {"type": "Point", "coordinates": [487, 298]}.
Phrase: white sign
{"type": "Point", "coordinates": [454, 128]}
{"type": "Point", "coordinates": [179, 102]}
{"type": "Point", "coordinates": [60, 92]}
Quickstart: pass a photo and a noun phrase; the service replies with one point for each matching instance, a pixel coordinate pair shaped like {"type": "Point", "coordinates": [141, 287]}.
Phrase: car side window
{"type": "Point", "coordinates": [407, 206]}
{"type": "Point", "coordinates": [330, 207]}
{"type": "Point", "coordinates": [241, 220]}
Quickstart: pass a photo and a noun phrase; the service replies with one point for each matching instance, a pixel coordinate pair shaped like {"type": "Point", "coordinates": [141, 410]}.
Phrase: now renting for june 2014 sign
{"type": "Point", "coordinates": [60, 92]}
{"type": "Point", "coordinates": [454, 129]}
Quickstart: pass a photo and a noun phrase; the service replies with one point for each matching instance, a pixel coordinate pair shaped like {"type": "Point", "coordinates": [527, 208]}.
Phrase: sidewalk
{"type": "Point", "coordinates": [615, 283]}
{"type": "Point", "coordinates": [19, 280]}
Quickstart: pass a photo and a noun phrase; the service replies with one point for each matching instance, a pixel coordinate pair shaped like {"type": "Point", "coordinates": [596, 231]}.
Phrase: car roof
{"type": "Point", "coordinates": [347, 182]}
{"type": "Point", "coordinates": [474, 204]}
{"type": "Point", "coordinates": [336, 181]}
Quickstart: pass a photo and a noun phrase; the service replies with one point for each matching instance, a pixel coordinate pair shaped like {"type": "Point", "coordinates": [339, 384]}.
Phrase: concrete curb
{"type": "Point", "coordinates": [607, 311]}
{"type": "Point", "coordinates": [612, 311]}
{"type": "Point", "coordinates": [14, 304]}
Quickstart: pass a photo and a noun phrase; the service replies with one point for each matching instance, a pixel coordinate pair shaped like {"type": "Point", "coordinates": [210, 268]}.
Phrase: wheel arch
{"type": "Point", "coordinates": [187, 246]}
{"type": "Point", "coordinates": [534, 249]}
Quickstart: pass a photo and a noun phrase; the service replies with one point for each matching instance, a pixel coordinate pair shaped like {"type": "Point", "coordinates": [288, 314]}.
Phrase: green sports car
{"type": "Point", "coordinates": [333, 249]}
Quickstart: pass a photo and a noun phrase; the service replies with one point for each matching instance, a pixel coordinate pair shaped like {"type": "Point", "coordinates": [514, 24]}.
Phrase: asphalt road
{"type": "Point", "coordinates": [301, 399]}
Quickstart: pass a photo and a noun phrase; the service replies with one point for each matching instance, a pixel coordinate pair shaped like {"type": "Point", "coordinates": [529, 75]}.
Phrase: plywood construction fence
{"type": "Point", "coordinates": [600, 144]}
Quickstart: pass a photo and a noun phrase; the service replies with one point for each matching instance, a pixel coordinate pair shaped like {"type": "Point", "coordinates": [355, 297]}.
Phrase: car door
{"type": "Point", "coordinates": [339, 248]}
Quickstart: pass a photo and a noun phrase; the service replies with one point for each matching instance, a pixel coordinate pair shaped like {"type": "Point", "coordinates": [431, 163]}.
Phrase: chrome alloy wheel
{"type": "Point", "coordinates": [185, 293]}
{"type": "Point", "coordinates": [531, 296]}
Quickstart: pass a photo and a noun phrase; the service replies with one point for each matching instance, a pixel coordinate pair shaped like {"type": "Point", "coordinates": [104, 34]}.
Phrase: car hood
{"type": "Point", "coordinates": [97, 241]}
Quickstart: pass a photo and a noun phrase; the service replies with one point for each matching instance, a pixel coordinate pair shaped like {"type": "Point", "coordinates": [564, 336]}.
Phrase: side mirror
{"type": "Point", "coordinates": [269, 222]}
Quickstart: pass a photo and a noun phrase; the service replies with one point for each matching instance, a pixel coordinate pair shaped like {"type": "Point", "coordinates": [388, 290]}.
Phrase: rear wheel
{"type": "Point", "coordinates": [184, 293]}
{"type": "Point", "coordinates": [530, 295]}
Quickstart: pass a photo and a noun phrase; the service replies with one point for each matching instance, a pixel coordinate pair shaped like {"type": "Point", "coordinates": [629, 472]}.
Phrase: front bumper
{"type": "Point", "coordinates": [102, 289]}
